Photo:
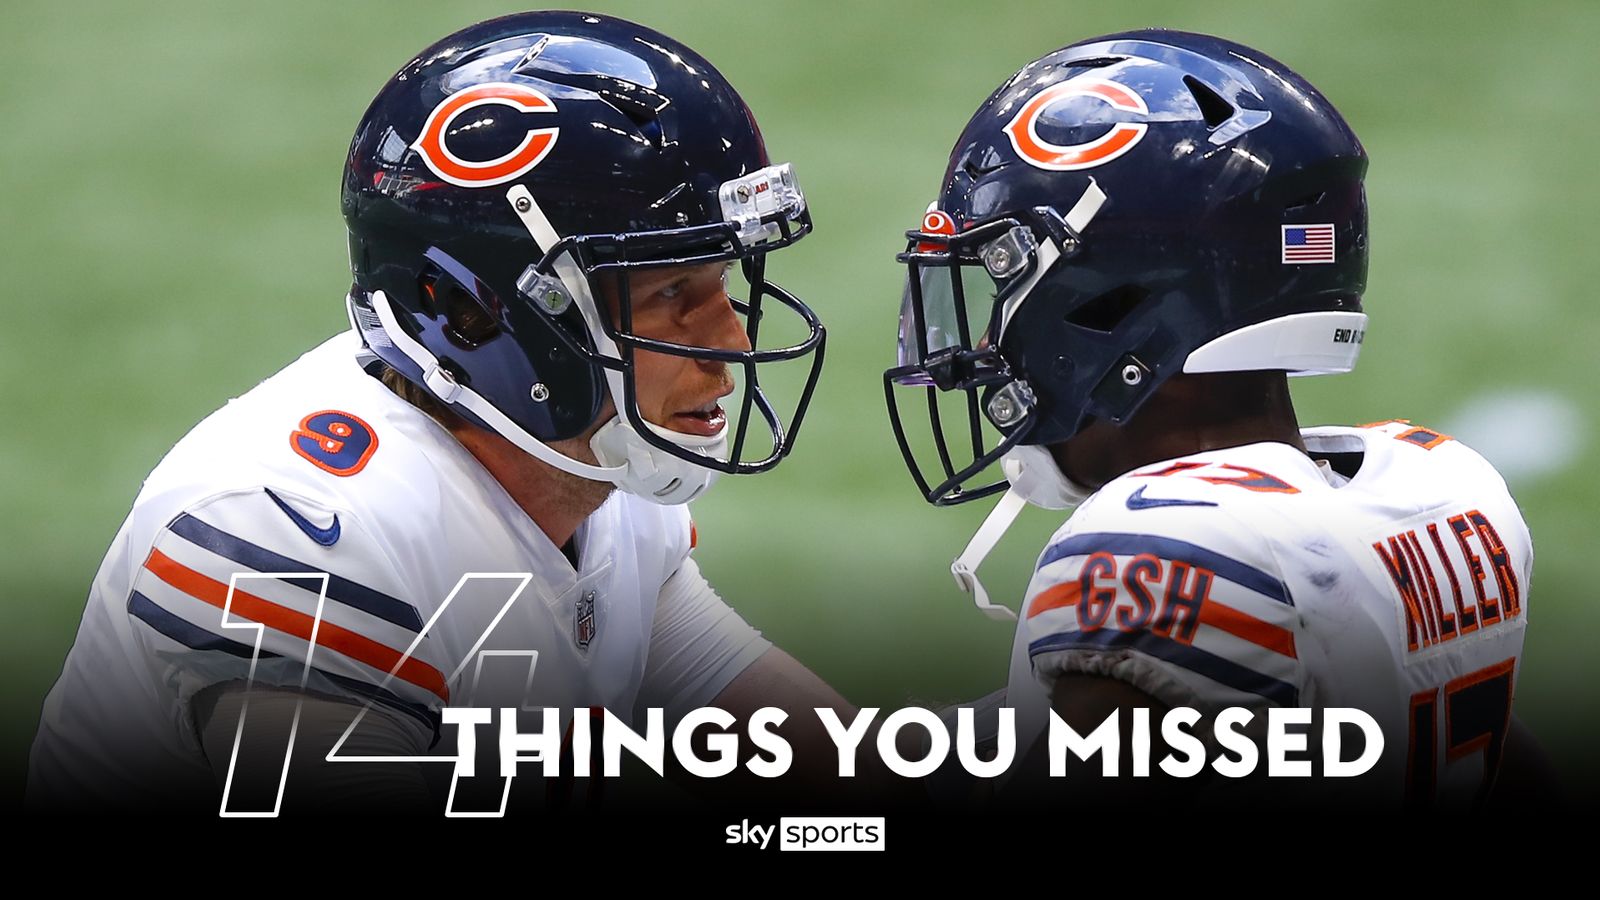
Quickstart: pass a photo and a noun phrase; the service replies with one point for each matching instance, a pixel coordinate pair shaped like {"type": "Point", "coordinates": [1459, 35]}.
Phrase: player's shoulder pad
{"type": "Point", "coordinates": [1416, 452]}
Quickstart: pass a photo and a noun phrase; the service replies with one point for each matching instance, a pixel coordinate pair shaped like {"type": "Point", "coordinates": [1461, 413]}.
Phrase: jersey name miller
{"type": "Point", "coordinates": [1460, 554]}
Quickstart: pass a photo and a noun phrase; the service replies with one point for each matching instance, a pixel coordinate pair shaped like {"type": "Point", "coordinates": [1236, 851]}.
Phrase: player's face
{"type": "Point", "coordinates": [683, 305]}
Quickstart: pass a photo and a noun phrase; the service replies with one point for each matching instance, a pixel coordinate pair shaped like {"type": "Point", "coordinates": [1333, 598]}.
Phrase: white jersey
{"type": "Point", "coordinates": [322, 505]}
{"type": "Point", "coordinates": [1255, 576]}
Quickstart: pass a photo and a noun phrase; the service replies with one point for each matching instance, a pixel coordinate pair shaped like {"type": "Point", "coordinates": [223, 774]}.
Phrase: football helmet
{"type": "Point", "coordinates": [506, 176]}
{"type": "Point", "coordinates": [1118, 211]}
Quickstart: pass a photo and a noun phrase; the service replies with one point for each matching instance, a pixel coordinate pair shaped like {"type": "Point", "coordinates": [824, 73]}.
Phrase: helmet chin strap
{"type": "Point", "coordinates": [545, 236]}
{"type": "Point", "coordinates": [626, 459]}
{"type": "Point", "coordinates": [965, 567]}
{"type": "Point", "coordinates": [446, 388]}
{"type": "Point", "coordinates": [1035, 478]}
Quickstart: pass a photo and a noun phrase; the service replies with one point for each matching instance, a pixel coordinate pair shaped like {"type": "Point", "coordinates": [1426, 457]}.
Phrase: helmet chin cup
{"type": "Point", "coordinates": [652, 473]}
{"type": "Point", "coordinates": [1035, 477]}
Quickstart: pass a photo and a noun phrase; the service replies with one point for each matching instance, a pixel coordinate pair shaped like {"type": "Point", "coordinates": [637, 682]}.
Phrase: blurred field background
{"type": "Point", "coordinates": [170, 233]}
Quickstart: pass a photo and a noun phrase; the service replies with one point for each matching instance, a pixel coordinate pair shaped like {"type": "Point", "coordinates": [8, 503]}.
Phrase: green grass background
{"type": "Point", "coordinates": [170, 235]}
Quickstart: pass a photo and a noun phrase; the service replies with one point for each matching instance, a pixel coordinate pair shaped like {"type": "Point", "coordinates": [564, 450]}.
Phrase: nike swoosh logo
{"type": "Point", "coordinates": [1137, 500]}
{"type": "Point", "coordinates": [327, 537]}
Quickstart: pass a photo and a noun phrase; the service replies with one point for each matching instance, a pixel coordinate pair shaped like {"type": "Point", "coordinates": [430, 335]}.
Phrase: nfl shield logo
{"type": "Point", "coordinates": [583, 621]}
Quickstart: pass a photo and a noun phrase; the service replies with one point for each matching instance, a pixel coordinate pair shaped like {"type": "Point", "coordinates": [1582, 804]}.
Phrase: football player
{"type": "Point", "coordinates": [475, 497]}
{"type": "Point", "coordinates": [1139, 237]}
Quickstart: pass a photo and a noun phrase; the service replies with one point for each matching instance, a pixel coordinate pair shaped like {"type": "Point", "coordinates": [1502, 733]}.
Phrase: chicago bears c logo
{"type": "Point", "coordinates": [535, 144]}
{"type": "Point", "coordinates": [1035, 151]}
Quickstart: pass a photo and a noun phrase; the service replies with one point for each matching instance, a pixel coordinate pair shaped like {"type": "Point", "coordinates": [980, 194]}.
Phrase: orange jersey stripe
{"type": "Point", "coordinates": [296, 623]}
{"type": "Point", "coordinates": [1065, 594]}
{"type": "Point", "coordinates": [1250, 628]}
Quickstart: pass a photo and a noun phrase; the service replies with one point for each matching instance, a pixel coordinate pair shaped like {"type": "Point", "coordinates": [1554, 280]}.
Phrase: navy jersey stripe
{"type": "Point", "coordinates": [340, 590]}
{"type": "Point", "coordinates": [1212, 666]}
{"type": "Point", "coordinates": [1170, 548]}
{"type": "Point", "coordinates": [193, 636]}
{"type": "Point", "coordinates": [185, 632]}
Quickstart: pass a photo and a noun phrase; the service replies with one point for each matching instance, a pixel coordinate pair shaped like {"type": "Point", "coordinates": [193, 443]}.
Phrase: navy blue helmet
{"type": "Point", "coordinates": [501, 174]}
{"type": "Point", "coordinates": [1118, 211]}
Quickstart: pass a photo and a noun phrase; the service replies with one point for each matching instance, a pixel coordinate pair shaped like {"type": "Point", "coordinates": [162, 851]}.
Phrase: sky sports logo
{"type": "Point", "coordinates": [811, 833]}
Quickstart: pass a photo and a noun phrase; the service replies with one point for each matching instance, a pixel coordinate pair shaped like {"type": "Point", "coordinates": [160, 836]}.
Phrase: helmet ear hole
{"type": "Point", "coordinates": [1105, 312]}
{"type": "Point", "coordinates": [468, 323]}
{"type": "Point", "coordinates": [466, 318]}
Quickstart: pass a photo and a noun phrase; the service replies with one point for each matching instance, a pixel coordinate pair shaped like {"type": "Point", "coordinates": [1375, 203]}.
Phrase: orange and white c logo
{"type": "Point", "coordinates": [1036, 151]}
{"type": "Point", "coordinates": [535, 144]}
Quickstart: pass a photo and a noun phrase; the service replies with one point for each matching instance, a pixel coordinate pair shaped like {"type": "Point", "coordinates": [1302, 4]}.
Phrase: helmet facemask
{"type": "Point", "coordinates": [762, 212]}
{"type": "Point", "coordinates": [961, 294]}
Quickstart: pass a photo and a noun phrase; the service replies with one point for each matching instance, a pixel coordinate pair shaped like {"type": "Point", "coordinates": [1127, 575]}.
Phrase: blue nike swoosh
{"type": "Point", "coordinates": [1137, 500]}
{"type": "Point", "coordinates": [327, 537]}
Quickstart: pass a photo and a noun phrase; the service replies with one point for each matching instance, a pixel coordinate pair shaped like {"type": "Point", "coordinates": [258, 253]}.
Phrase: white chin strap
{"type": "Point", "coordinates": [1035, 478]}
{"type": "Point", "coordinates": [965, 567]}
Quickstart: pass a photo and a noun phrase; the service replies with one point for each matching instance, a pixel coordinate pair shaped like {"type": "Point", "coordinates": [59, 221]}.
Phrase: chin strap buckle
{"type": "Point", "coordinates": [442, 383]}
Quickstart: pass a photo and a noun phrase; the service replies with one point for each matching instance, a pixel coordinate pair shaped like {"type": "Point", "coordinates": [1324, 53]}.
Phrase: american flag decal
{"type": "Point", "coordinates": [1308, 244]}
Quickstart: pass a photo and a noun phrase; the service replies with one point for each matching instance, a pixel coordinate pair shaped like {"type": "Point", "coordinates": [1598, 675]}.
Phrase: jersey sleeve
{"type": "Point", "coordinates": [1184, 606]}
{"type": "Point", "coordinates": [698, 645]}
{"type": "Point", "coordinates": [268, 588]}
